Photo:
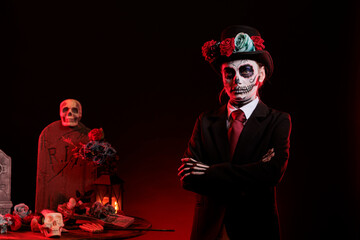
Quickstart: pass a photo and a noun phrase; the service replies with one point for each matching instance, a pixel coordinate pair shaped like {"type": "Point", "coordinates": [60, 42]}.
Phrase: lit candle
{"type": "Point", "coordinates": [114, 204]}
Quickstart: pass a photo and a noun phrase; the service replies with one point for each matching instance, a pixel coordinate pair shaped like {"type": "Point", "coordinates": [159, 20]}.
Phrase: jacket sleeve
{"type": "Point", "coordinates": [195, 145]}
{"type": "Point", "coordinates": [227, 177]}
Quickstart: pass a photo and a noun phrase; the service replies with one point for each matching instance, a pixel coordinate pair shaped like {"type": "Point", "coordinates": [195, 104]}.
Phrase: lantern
{"type": "Point", "coordinates": [109, 189]}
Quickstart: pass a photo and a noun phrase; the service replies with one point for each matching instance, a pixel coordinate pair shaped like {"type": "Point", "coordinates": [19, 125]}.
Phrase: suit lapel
{"type": "Point", "coordinates": [250, 132]}
{"type": "Point", "coordinates": [218, 132]}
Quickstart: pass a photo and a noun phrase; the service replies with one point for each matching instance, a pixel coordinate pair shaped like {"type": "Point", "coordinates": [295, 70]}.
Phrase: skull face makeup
{"type": "Point", "coordinates": [70, 112]}
{"type": "Point", "coordinates": [241, 79]}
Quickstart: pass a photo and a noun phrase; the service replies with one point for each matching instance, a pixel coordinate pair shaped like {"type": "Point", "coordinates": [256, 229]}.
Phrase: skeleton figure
{"type": "Point", "coordinates": [70, 112]}
{"type": "Point", "coordinates": [53, 224]}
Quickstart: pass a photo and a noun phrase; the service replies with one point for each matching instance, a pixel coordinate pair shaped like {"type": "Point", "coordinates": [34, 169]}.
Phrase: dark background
{"type": "Point", "coordinates": [138, 71]}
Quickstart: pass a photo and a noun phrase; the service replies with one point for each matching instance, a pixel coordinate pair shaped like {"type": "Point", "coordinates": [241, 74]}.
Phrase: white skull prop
{"type": "Point", "coordinates": [53, 223]}
{"type": "Point", "coordinates": [70, 112]}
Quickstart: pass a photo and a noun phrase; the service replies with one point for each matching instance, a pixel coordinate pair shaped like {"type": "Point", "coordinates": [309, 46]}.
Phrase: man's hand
{"type": "Point", "coordinates": [191, 167]}
{"type": "Point", "coordinates": [268, 156]}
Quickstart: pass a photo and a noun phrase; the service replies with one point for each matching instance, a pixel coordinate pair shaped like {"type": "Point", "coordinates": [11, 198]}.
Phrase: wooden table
{"type": "Point", "coordinates": [77, 234]}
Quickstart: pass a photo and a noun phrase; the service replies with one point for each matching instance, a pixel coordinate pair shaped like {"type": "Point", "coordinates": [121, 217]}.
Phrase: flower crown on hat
{"type": "Point", "coordinates": [242, 42]}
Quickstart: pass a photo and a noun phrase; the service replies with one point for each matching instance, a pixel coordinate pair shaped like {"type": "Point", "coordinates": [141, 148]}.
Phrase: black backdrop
{"type": "Point", "coordinates": [137, 69]}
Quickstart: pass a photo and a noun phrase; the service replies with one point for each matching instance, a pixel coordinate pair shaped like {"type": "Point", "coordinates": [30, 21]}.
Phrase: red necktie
{"type": "Point", "coordinates": [237, 125]}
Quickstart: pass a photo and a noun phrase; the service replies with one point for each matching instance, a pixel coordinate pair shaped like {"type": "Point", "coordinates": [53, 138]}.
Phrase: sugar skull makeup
{"type": "Point", "coordinates": [245, 71]}
{"type": "Point", "coordinates": [241, 79]}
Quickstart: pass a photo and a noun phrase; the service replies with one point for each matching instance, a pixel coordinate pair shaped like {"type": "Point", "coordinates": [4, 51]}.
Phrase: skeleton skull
{"type": "Point", "coordinates": [53, 223]}
{"type": "Point", "coordinates": [70, 112]}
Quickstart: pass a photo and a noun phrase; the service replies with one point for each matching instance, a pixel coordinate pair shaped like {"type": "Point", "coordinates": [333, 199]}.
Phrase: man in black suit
{"type": "Point", "coordinates": [238, 153]}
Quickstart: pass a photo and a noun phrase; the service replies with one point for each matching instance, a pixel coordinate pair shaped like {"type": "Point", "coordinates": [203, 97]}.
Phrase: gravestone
{"type": "Point", "coordinates": [59, 172]}
{"type": "Point", "coordinates": [5, 183]}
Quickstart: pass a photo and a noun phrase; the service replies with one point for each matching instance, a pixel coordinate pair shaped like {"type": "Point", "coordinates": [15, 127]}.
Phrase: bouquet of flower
{"type": "Point", "coordinates": [97, 150]}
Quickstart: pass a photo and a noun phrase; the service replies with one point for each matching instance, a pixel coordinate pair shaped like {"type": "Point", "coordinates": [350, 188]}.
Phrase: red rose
{"type": "Point", "coordinates": [28, 218]}
{"type": "Point", "coordinates": [209, 50]}
{"type": "Point", "coordinates": [96, 134]}
{"type": "Point", "coordinates": [258, 42]}
{"type": "Point", "coordinates": [227, 47]}
{"type": "Point", "coordinates": [35, 222]}
{"type": "Point", "coordinates": [16, 221]}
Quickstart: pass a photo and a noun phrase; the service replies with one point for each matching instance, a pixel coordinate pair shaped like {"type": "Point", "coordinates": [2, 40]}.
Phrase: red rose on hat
{"type": "Point", "coordinates": [258, 42]}
{"type": "Point", "coordinates": [96, 134]}
{"type": "Point", "coordinates": [227, 47]}
{"type": "Point", "coordinates": [209, 50]}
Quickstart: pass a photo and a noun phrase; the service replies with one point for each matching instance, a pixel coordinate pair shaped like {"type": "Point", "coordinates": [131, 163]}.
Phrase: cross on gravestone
{"type": "Point", "coordinates": [5, 183]}
{"type": "Point", "coordinates": [59, 173]}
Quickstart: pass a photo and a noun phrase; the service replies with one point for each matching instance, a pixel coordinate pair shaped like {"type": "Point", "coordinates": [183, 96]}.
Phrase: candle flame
{"type": "Point", "coordinates": [116, 207]}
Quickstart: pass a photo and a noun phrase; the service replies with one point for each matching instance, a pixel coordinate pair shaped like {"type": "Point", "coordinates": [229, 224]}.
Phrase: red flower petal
{"type": "Point", "coordinates": [209, 51]}
{"type": "Point", "coordinates": [227, 47]}
{"type": "Point", "coordinates": [258, 42]}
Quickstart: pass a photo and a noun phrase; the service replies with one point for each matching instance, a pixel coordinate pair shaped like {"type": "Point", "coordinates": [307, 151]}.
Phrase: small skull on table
{"type": "Point", "coordinates": [53, 224]}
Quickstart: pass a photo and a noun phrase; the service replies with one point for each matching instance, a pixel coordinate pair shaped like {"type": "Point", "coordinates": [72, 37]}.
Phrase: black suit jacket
{"type": "Point", "coordinates": [238, 192]}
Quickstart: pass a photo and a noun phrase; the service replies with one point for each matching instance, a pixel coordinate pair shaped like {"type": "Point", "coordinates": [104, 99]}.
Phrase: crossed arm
{"type": "Point", "coordinates": [191, 166]}
{"type": "Point", "coordinates": [201, 177]}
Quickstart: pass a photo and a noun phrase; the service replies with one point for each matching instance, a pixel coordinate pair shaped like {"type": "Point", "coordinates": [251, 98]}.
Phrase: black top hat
{"type": "Point", "coordinates": [238, 42]}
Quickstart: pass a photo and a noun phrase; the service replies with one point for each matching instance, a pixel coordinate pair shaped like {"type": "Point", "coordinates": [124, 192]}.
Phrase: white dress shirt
{"type": "Point", "coordinates": [247, 109]}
